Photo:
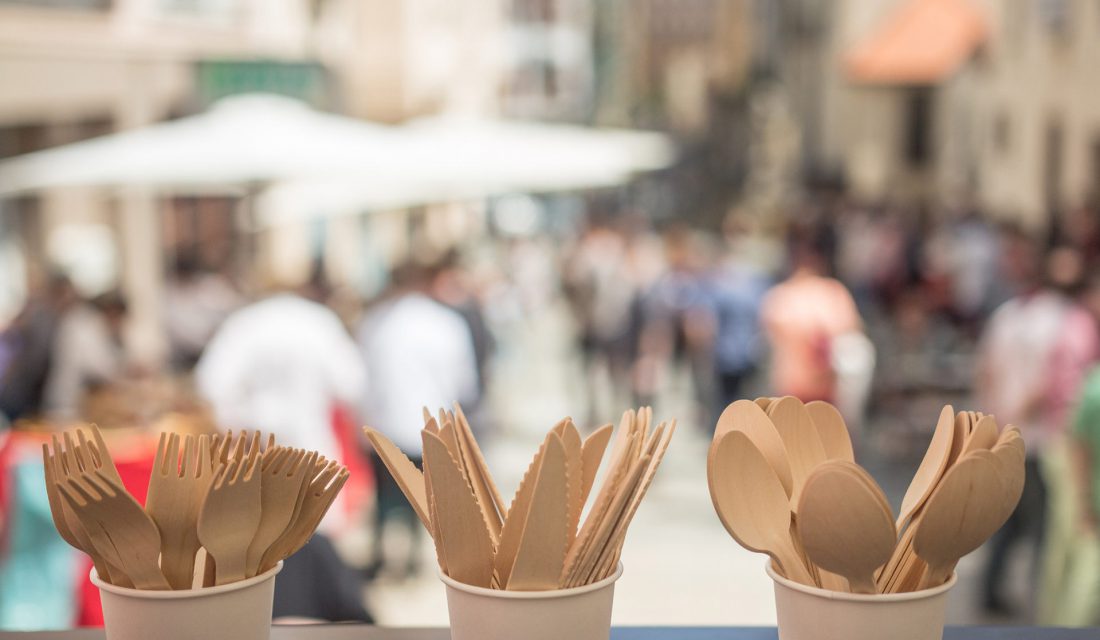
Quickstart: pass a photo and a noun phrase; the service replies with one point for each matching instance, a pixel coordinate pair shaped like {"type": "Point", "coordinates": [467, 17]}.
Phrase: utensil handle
{"type": "Point", "coordinates": [177, 562]}
{"type": "Point", "coordinates": [230, 568]}
{"type": "Point", "coordinates": [935, 576]}
{"type": "Point", "coordinates": [862, 584]}
{"type": "Point", "coordinates": [792, 566]}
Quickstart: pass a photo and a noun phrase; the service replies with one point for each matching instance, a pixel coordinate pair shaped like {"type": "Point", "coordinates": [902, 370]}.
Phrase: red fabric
{"type": "Point", "coordinates": [134, 472]}
{"type": "Point", "coordinates": [360, 485]}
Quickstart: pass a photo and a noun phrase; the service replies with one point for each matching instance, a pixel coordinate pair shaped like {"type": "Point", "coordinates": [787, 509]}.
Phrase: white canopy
{"type": "Point", "coordinates": [449, 158]}
{"type": "Point", "coordinates": [240, 140]}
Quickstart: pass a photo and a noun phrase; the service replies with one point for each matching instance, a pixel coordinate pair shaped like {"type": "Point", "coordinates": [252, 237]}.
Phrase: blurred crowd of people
{"type": "Point", "coordinates": [954, 307]}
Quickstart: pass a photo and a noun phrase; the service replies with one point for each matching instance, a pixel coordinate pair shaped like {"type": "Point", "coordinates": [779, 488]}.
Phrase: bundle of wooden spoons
{"type": "Point", "coordinates": [239, 507]}
{"type": "Point", "coordinates": [784, 482]}
{"type": "Point", "coordinates": [538, 542]}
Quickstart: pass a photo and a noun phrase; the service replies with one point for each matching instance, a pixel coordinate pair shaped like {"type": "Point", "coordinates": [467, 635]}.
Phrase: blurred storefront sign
{"type": "Point", "coordinates": [216, 79]}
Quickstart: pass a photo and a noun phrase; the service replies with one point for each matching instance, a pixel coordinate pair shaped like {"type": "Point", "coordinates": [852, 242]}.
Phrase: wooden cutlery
{"type": "Point", "coordinates": [833, 527]}
{"type": "Point", "coordinates": [752, 505]}
{"type": "Point", "coordinates": [244, 505]}
{"type": "Point", "coordinates": [538, 542]}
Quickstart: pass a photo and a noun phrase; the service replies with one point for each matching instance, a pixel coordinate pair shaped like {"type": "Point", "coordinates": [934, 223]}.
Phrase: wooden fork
{"type": "Point", "coordinates": [117, 525]}
{"type": "Point", "coordinates": [320, 492]}
{"type": "Point", "coordinates": [280, 548]}
{"type": "Point", "coordinates": [282, 472]}
{"type": "Point", "coordinates": [175, 495]}
{"type": "Point", "coordinates": [69, 526]}
{"type": "Point", "coordinates": [230, 515]}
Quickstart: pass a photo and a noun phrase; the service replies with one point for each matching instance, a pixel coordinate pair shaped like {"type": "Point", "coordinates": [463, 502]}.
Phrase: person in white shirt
{"type": "Point", "coordinates": [418, 353]}
{"type": "Point", "coordinates": [280, 365]}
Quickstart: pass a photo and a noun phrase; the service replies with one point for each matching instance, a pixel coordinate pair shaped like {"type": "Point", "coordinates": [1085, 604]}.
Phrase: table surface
{"type": "Point", "coordinates": [364, 632]}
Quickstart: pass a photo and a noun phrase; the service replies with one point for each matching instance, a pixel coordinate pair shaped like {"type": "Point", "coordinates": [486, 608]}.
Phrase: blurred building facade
{"type": "Point", "coordinates": [937, 101]}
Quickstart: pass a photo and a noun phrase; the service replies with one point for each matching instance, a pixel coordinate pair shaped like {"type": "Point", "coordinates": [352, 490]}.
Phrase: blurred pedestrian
{"type": "Point", "coordinates": [418, 353]}
{"type": "Point", "coordinates": [736, 287]}
{"type": "Point", "coordinates": [1032, 355]}
{"type": "Point", "coordinates": [1069, 589]}
{"type": "Point", "coordinates": [678, 323]}
{"type": "Point", "coordinates": [453, 287]}
{"type": "Point", "coordinates": [603, 293]}
{"type": "Point", "coordinates": [29, 346]}
{"type": "Point", "coordinates": [87, 353]}
{"type": "Point", "coordinates": [196, 301]}
{"type": "Point", "coordinates": [802, 317]}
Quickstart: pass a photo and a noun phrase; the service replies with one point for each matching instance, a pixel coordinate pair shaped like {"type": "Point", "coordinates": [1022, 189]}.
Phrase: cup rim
{"type": "Point", "coordinates": [859, 597]}
{"type": "Point", "coordinates": [532, 595]}
{"type": "Point", "coordinates": [181, 594]}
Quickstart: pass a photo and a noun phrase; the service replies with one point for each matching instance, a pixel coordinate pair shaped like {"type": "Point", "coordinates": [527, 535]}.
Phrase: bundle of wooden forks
{"type": "Point", "coordinates": [238, 506]}
{"type": "Point", "coordinates": [538, 542]}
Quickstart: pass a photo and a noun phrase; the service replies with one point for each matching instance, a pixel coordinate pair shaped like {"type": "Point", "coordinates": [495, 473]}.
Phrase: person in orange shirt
{"type": "Point", "coordinates": [801, 317]}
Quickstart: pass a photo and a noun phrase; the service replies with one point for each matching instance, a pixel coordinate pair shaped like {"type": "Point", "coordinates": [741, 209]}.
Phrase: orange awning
{"type": "Point", "coordinates": [922, 42]}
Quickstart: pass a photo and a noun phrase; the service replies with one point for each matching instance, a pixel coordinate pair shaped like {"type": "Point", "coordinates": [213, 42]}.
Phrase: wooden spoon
{"type": "Point", "coordinates": [799, 434]}
{"type": "Point", "coordinates": [833, 431]}
{"type": "Point", "coordinates": [752, 505]}
{"type": "Point", "coordinates": [959, 516]}
{"type": "Point", "coordinates": [983, 435]}
{"type": "Point", "coordinates": [931, 468]}
{"type": "Point", "coordinates": [843, 525]}
{"type": "Point", "coordinates": [749, 418]}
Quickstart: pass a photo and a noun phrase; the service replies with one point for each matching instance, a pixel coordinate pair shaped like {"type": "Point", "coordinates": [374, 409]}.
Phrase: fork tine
{"type": "Point", "coordinates": [158, 461]}
{"type": "Point", "coordinates": [270, 441]}
{"type": "Point", "coordinates": [76, 501]}
{"type": "Point", "coordinates": [238, 448]}
{"type": "Point", "coordinates": [83, 451]}
{"type": "Point", "coordinates": [172, 468]}
{"type": "Point", "coordinates": [305, 466]}
{"type": "Point", "coordinates": [204, 457]}
{"type": "Point", "coordinates": [102, 484]}
{"type": "Point", "coordinates": [225, 473]}
{"type": "Point", "coordinates": [61, 464]}
{"type": "Point", "coordinates": [251, 465]}
{"type": "Point", "coordinates": [70, 453]}
{"type": "Point", "coordinates": [253, 450]}
{"type": "Point", "coordinates": [270, 457]}
{"type": "Point", "coordinates": [83, 489]}
{"type": "Point", "coordinates": [324, 477]}
{"type": "Point", "coordinates": [294, 462]}
{"type": "Point", "coordinates": [337, 484]}
{"type": "Point", "coordinates": [224, 445]}
{"type": "Point", "coordinates": [100, 448]}
{"type": "Point", "coordinates": [278, 461]}
{"type": "Point", "coordinates": [188, 468]}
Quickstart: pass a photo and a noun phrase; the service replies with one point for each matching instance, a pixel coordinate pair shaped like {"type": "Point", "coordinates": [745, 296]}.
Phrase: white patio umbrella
{"type": "Point", "coordinates": [241, 140]}
{"type": "Point", "coordinates": [448, 158]}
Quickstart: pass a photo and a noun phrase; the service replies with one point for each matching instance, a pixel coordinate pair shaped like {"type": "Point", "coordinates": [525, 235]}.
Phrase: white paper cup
{"type": "Point", "coordinates": [240, 610]}
{"type": "Point", "coordinates": [580, 613]}
{"type": "Point", "coordinates": [809, 613]}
